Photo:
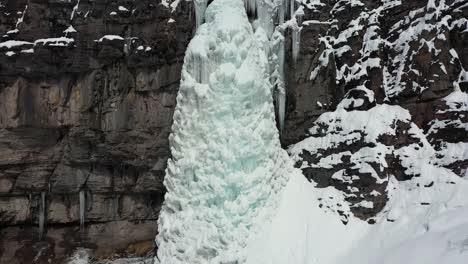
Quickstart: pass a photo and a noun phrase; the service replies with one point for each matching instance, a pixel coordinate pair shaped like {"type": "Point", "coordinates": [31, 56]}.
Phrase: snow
{"type": "Point", "coordinates": [452, 152]}
{"type": "Point", "coordinates": [311, 22]}
{"type": "Point", "coordinates": [110, 37]}
{"type": "Point", "coordinates": [165, 3]}
{"type": "Point", "coordinates": [456, 101]}
{"type": "Point", "coordinates": [418, 22]}
{"type": "Point", "coordinates": [13, 31]}
{"type": "Point", "coordinates": [70, 29]}
{"type": "Point", "coordinates": [75, 8]}
{"type": "Point", "coordinates": [123, 9]}
{"type": "Point", "coordinates": [21, 19]}
{"type": "Point", "coordinates": [14, 43]}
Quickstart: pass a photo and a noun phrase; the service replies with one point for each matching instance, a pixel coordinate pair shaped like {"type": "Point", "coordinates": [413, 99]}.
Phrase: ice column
{"type": "Point", "coordinates": [280, 85]}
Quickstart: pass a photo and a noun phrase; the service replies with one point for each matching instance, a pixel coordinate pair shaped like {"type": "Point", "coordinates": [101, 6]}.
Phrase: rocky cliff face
{"type": "Point", "coordinates": [87, 92]}
{"type": "Point", "coordinates": [388, 80]}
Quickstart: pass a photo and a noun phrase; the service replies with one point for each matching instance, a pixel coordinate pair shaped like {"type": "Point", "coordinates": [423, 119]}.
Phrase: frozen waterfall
{"type": "Point", "coordinates": [227, 168]}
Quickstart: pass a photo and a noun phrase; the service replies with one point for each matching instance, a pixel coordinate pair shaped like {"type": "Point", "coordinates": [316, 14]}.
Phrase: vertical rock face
{"type": "Point", "coordinates": [375, 66]}
{"type": "Point", "coordinates": [410, 53]}
{"type": "Point", "coordinates": [87, 93]}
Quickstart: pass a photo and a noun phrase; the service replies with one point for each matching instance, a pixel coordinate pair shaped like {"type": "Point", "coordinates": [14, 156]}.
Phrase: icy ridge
{"type": "Point", "coordinates": [227, 168]}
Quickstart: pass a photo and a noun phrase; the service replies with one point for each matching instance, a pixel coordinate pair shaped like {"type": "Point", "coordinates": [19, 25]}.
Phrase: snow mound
{"type": "Point", "coordinates": [375, 165]}
{"type": "Point", "coordinates": [424, 226]}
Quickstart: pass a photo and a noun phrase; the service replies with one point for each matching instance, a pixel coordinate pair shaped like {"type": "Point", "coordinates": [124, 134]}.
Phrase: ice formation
{"type": "Point", "coordinates": [200, 7]}
{"type": "Point", "coordinates": [227, 168]}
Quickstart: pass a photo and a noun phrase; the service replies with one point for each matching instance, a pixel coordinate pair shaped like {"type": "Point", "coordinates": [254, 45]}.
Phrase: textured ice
{"type": "Point", "coordinates": [227, 168]}
{"type": "Point", "coordinates": [269, 16]}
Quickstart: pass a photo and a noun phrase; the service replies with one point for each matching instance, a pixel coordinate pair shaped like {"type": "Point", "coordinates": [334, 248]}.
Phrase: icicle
{"type": "Point", "coordinates": [200, 7]}
{"type": "Point", "coordinates": [250, 6]}
{"type": "Point", "coordinates": [296, 17]}
{"type": "Point", "coordinates": [75, 8]}
{"type": "Point", "coordinates": [265, 16]}
{"type": "Point", "coordinates": [42, 209]}
{"type": "Point", "coordinates": [291, 9]}
{"type": "Point", "coordinates": [281, 101]}
{"type": "Point", "coordinates": [295, 44]}
{"type": "Point", "coordinates": [82, 209]}
{"type": "Point", "coordinates": [281, 89]}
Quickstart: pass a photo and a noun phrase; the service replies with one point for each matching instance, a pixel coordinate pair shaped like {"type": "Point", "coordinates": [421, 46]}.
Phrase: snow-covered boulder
{"type": "Point", "coordinates": [356, 152]}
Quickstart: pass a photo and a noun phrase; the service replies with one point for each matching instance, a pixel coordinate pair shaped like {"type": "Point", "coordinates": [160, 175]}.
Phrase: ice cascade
{"type": "Point", "coordinates": [227, 170]}
{"type": "Point", "coordinates": [274, 17]}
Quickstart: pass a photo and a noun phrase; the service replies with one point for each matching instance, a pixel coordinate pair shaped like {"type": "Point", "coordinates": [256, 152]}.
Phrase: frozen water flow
{"type": "Point", "coordinates": [227, 168]}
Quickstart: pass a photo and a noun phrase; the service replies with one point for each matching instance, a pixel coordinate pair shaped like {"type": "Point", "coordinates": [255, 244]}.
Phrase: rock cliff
{"type": "Point", "coordinates": [87, 93]}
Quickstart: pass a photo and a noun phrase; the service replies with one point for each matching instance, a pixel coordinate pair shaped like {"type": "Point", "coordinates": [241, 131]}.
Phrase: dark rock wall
{"type": "Point", "coordinates": [83, 112]}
